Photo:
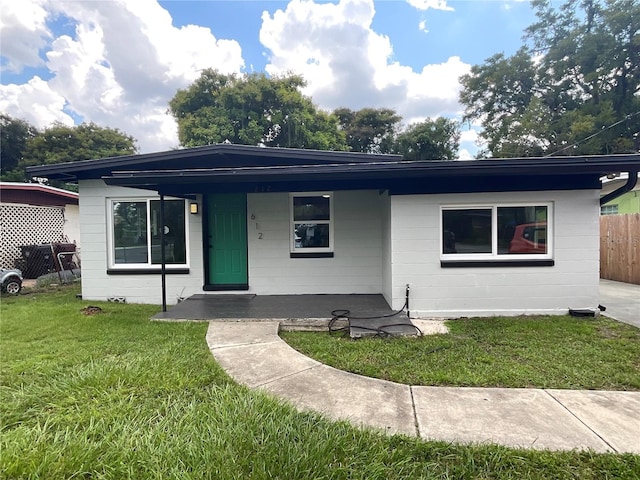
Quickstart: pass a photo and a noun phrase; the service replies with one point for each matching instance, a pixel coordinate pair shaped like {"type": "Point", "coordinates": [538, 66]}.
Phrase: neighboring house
{"type": "Point", "coordinates": [626, 203]}
{"type": "Point", "coordinates": [480, 237]}
{"type": "Point", "coordinates": [32, 214]}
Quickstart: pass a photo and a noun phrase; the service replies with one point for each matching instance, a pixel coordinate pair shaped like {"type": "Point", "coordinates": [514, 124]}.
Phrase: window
{"type": "Point", "coordinates": [135, 233]}
{"type": "Point", "coordinates": [311, 222]}
{"type": "Point", "coordinates": [608, 209]}
{"type": "Point", "coordinates": [496, 232]}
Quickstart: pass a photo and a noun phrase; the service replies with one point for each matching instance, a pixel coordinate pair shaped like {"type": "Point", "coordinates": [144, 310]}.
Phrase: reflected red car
{"type": "Point", "coordinates": [529, 238]}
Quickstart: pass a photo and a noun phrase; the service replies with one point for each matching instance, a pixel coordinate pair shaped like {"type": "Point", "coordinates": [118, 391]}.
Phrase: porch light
{"type": "Point", "coordinates": [193, 208]}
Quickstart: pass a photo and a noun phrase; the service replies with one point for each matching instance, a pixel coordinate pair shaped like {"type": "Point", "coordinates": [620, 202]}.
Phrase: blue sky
{"type": "Point", "coordinates": [118, 62]}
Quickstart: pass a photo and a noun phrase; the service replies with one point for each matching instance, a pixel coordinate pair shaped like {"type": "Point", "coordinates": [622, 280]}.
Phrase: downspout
{"type": "Point", "coordinates": [163, 266]}
{"type": "Point", "coordinates": [627, 187]}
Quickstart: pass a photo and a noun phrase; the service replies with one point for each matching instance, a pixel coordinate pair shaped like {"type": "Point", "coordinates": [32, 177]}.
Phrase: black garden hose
{"type": "Point", "coordinates": [381, 331]}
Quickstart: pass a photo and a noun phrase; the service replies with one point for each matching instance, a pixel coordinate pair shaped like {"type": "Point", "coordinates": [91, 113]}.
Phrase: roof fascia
{"type": "Point", "coordinates": [480, 168]}
{"type": "Point", "coordinates": [36, 187]}
{"type": "Point", "coordinates": [111, 163]}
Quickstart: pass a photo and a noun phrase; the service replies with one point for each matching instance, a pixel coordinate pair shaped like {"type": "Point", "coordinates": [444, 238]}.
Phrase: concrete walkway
{"type": "Point", "coordinates": [622, 301]}
{"type": "Point", "coordinates": [603, 421]}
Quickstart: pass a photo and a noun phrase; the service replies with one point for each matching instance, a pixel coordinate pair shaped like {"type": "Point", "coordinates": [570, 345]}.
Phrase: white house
{"type": "Point", "coordinates": [481, 237]}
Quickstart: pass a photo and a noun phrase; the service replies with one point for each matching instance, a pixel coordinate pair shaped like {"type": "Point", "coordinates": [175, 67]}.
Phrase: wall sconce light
{"type": "Point", "coordinates": [193, 208]}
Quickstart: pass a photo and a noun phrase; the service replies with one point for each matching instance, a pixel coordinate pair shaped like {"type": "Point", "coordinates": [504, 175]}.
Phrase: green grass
{"type": "Point", "coordinates": [115, 396]}
{"type": "Point", "coordinates": [544, 352]}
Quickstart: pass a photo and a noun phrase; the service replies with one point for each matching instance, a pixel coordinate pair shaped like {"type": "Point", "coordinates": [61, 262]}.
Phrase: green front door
{"type": "Point", "coordinates": [227, 241]}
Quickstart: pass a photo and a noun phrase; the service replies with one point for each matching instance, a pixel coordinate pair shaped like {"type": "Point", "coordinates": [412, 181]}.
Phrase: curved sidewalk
{"type": "Point", "coordinates": [603, 421]}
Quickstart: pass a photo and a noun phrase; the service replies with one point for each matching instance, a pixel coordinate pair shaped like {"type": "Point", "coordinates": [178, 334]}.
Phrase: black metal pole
{"type": "Point", "coordinates": [163, 266]}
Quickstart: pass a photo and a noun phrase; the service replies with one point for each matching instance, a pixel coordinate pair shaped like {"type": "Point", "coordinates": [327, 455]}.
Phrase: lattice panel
{"type": "Point", "coordinates": [27, 225]}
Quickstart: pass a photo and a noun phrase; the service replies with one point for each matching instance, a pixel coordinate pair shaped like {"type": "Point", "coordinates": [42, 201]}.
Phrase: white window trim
{"type": "Point", "coordinates": [330, 222]}
{"type": "Point", "coordinates": [494, 233]}
{"type": "Point", "coordinates": [112, 265]}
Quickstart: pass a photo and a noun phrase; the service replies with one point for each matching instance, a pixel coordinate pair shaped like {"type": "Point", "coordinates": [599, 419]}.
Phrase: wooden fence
{"type": "Point", "coordinates": [620, 248]}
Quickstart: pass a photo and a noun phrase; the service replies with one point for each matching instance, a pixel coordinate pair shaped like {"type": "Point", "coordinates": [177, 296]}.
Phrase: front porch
{"type": "Point", "coordinates": [294, 312]}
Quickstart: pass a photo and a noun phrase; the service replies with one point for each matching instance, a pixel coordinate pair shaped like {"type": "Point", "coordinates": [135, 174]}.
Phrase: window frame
{"type": "Point", "coordinates": [320, 251]}
{"type": "Point", "coordinates": [494, 256]}
{"type": "Point", "coordinates": [148, 267]}
{"type": "Point", "coordinates": [609, 209]}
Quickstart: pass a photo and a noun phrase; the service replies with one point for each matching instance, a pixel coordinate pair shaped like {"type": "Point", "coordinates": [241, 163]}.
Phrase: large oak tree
{"type": "Point", "coordinates": [62, 143]}
{"type": "Point", "coordinates": [252, 109]}
{"type": "Point", "coordinates": [431, 139]}
{"type": "Point", "coordinates": [572, 89]}
{"type": "Point", "coordinates": [369, 130]}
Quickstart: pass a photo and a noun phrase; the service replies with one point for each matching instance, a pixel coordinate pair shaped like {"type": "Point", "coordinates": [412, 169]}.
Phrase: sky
{"type": "Point", "coordinates": [117, 63]}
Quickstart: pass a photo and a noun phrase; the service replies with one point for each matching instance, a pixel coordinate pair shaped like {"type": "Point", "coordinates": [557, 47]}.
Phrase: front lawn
{"type": "Point", "coordinates": [545, 352]}
{"type": "Point", "coordinates": [115, 396]}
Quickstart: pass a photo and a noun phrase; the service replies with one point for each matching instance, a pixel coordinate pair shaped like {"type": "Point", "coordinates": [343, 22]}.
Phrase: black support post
{"type": "Point", "coordinates": [163, 265]}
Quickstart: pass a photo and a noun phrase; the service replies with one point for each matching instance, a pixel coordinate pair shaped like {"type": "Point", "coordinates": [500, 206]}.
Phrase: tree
{"type": "Point", "coordinates": [572, 90]}
{"type": "Point", "coordinates": [14, 135]}
{"type": "Point", "coordinates": [252, 109]}
{"type": "Point", "coordinates": [61, 143]}
{"type": "Point", "coordinates": [437, 139]}
{"type": "Point", "coordinates": [369, 130]}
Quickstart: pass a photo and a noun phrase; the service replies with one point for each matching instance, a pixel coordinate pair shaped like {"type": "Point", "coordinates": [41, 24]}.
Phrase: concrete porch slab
{"type": "Point", "coordinates": [614, 416]}
{"type": "Point", "coordinates": [247, 306]}
{"type": "Point", "coordinates": [344, 396]}
{"type": "Point", "coordinates": [528, 418]}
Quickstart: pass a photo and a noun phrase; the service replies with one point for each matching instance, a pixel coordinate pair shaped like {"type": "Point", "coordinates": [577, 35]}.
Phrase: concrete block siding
{"type": "Point", "coordinates": [357, 263]}
{"type": "Point", "coordinates": [381, 244]}
{"type": "Point", "coordinates": [443, 292]}
{"type": "Point", "coordinates": [97, 284]}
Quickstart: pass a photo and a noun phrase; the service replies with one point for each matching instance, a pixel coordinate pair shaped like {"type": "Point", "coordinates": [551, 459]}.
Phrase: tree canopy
{"type": "Point", "coordinates": [14, 135]}
{"type": "Point", "coordinates": [252, 109]}
{"type": "Point", "coordinates": [369, 130]}
{"type": "Point", "coordinates": [437, 139]}
{"type": "Point", "coordinates": [58, 143]}
{"type": "Point", "coordinates": [572, 89]}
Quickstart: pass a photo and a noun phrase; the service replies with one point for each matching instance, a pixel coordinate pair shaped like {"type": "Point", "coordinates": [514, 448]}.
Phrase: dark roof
{"type": "Point", "coordinates": [210, 156]}
{"type": "Point", "coordinates": [244, 168]}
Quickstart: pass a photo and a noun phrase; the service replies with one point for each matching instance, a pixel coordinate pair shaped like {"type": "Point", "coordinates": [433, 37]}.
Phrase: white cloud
{"type": "Point", "coordinates": [23, 33]}
{"type": "Point", "coordinates": [470, 135]}
{"type": "Point", "coordinates": [433, 4]}
{"type": "Point", "coordinates": [346, 63]}
{"type": "Point", "coordinates": [34, 102]}
{"type": "Point", "coordinates": [124, 60]}
{"type": "Point", "coordinates": [464, 154]}
{"type": "Point", "coordinates": [422, 26]}
{"type": "Point", "coordinates": [124, 63]}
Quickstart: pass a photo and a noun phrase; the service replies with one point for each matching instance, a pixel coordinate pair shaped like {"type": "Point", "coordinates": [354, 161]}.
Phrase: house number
{"type": "Point", "coordinates": [260, 236]}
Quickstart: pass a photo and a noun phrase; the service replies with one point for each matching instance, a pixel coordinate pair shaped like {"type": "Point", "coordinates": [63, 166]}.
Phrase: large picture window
{"type": "Point", "coordinates": [496, 232]}
{"type": "Point", "coordinates": [311, 222]}
{"type": "Point", "coordinates": [135, 235]}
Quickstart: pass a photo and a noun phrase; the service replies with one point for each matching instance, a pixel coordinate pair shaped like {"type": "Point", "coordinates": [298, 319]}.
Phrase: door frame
{"type": "Point", "coordinates": [209, 287]}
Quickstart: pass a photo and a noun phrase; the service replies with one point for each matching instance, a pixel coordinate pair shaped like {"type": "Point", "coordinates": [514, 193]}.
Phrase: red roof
{"type": "Point", "coordinates": [36, 194]}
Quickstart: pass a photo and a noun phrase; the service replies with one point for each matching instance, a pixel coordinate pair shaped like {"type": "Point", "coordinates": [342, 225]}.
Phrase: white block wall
{"type": "Point", "coordinates": [381, 244]}
{"type": "Point", "coordinates": [452, 292]}
{"type": "Point", "coordinates": [387, 272]}
{"type": "Point", "coordinates": [355, 268]}
{"type": "Point", "coordinates": [72, 223]}
{"type": "Point", "coordinates": [357, 263]}
{"type": "Point", "coordinates": [96, 284]}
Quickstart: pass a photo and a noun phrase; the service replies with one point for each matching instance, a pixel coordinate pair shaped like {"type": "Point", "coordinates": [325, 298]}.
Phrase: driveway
{"type": "Point", "coordinates": [622, 301]}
